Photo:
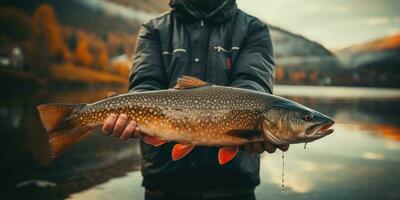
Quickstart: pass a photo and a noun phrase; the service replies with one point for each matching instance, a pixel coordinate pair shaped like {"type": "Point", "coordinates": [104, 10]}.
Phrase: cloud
{"type": "Point", "coordinates": [313, 9]}
{"type": "Point", "coordinates": [375, 21]}
{"type": "Point", "coordinates": [340, 9]}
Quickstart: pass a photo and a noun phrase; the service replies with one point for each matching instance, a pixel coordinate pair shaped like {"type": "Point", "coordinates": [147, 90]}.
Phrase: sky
{"type": "Point", "coordinates": [333, 23]}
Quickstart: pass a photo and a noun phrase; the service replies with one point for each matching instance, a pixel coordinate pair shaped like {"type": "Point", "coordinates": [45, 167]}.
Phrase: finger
{"type": "Point", "coordinates": [128, 131]}
{"type": "Point", "coordinates": [258, 147]}
{"type": "Point", "coordinates": [120, 125]}
{"type": "Point", "coordinates": [109, 124]}
{"type": "Point", "coordinates": [136, 133]}
{"type": "Point", "coordinates": [110, 94]}
{"type": "Point", "coordinates": [284, 147]}
{"type": "Point", "coordinates": [249, 148]}
{"type": "Point", "coordinates": [269, 147]}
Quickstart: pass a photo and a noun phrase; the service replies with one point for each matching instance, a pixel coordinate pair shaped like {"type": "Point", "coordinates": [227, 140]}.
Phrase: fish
{"type": "Point", "coordinates": [193, 113]}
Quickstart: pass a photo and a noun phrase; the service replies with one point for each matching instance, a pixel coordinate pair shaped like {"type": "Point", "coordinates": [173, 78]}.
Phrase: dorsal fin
{"type": "Point", "coordinates": [187, 82]}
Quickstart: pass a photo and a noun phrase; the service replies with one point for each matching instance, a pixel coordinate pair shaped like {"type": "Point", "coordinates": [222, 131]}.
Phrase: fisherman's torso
{"type": "Point", "coordinates": [206, 49]}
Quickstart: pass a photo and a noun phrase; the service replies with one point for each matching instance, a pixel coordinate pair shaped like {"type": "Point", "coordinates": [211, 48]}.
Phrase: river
{"type": "Point", "coordinates": [359, 161]}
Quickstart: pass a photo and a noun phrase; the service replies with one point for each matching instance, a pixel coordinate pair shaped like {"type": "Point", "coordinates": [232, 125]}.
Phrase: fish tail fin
{"type": "Point", "coordinates": [61, 124]}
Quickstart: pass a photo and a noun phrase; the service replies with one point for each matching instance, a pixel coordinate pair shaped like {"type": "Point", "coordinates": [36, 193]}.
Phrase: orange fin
{"type": "Point", "coordinates": [226, 154]}
{"type": "Point", "coordinates": [187, 82]}
{"type": "Point", "coordinates": [61, 125]}
{"type": "Point", "coordinates": [153, 141]}
{"type": "Point", "coordinates": [60, 141]}
{"type": "Point", "coordinates": [181, 150]}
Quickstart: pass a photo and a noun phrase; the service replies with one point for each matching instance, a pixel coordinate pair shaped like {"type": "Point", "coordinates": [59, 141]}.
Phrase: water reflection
{"type": "Point", "coordinates": [359, 161]}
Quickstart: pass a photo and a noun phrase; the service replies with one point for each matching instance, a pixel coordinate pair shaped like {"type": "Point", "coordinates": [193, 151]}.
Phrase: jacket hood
{"type": "Point", "coordinates": [184, 10]}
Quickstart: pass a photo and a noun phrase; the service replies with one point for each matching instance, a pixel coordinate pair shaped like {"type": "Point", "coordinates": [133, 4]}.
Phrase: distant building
{"type": "Point", "coordinates": [11, 57]}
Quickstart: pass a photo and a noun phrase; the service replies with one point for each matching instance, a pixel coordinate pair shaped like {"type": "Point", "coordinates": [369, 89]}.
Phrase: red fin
{"type": "Point", "coordinates": [226, 154]}
{"type": "Point", "coordinates": [181, 150]}
{"type": "Point", "coordinates": [153, 141]}
{"type": "Point", "coordinates": [187, 82]}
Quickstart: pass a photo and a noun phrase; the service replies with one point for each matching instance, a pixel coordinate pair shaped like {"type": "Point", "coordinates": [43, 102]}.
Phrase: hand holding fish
{"type": "Point", "coordinates": [118, 126]}
{"type": "Point", "coordinates": [260, 147]}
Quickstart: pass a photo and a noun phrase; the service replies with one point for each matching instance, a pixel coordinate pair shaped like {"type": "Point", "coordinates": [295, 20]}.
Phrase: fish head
{"type": "Point", "coordinates": [287, 122]}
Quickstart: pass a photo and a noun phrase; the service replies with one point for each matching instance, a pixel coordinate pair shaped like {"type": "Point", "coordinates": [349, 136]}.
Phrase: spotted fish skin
{"type": "Point", "coordinates": [201, 116]}
{"type": "Point", "coordinates": [193, 113]}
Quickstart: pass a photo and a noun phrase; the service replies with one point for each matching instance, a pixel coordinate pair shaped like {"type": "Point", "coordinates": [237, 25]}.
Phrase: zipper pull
{"type": "Point", "coordinates": [202, 23]}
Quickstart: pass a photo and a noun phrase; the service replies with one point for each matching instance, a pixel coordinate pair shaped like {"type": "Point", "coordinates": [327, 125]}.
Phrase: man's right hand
{"type": "Point", "coordinates": [118, 126]}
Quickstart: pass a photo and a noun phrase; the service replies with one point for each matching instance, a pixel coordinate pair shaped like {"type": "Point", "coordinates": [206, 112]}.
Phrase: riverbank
{"type": "Point", "coordinates": [64, 76]}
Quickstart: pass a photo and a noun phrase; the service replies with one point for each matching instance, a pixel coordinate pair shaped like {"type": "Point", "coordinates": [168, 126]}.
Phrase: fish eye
{"type": "Point", "coordinates": [308, 117]}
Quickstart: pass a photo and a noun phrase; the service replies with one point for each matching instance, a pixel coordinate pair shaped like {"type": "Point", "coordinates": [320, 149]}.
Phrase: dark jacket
{"type": "Point", "coordinates": [226, 47]}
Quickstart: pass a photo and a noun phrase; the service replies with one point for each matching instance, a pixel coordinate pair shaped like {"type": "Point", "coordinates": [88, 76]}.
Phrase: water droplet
{"type": "Point", "coordinates": [305, 145]}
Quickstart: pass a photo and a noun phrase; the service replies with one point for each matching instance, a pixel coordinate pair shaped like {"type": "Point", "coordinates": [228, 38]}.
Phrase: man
{"type": "Point", "coordinates": [218, 43]}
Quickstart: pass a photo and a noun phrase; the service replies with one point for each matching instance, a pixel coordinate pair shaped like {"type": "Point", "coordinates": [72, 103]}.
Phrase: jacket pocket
{"type": "Point", "coordinates": [174, 60]}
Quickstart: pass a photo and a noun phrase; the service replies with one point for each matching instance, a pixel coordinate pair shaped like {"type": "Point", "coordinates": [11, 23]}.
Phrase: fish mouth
{"type": "Point", "coordinates": [318, 131]}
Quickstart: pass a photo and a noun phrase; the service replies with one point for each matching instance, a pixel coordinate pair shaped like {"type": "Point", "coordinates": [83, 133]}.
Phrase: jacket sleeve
{"type": "Point", "coordinates": [254, 68]}
{"type": "Point", "coordinates": [147, 71]}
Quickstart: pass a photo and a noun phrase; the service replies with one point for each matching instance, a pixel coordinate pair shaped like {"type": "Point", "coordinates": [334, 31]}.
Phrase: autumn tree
{"type": "Point", "coordinates": [103, 59]}
{"type": "Point", "coordinates": [122, 68]}
{"type": "Point", "coordinates": [83, 54]}
{"type": "Point", "coordinates": [48, 28]}
{"type": "Point", "coordinates": [279, 74]}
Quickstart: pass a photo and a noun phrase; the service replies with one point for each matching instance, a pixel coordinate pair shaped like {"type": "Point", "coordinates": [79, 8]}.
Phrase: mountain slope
{"type": "Point", "coordinates": [376, 61]}
{"type": "Point", "coordinates": [385, 51]}
{"type": "Point", "coordinates": [297, 51]}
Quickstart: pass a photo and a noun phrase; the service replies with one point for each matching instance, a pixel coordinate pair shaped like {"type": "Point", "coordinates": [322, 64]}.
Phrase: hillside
{"type": "Point", "coordinates": [376, 61]}
{"type": "Point", "coordinates": [302, 61]}
{"type": "Point", "coordinates": [371, 52]}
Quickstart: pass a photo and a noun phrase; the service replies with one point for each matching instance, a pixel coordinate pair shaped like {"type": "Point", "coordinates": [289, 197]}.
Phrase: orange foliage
{"type": "Point", "coordinates": [121, 68]}
{"type": "Point", "coordinates": [280, 73]}
{"type": "Point", "coordinates": [388, 131]}
{"type": "Point", "coordinates": [121, 43]}
{"type": "Point", "coordinates": [47, 26]}
{"type": "Point", "coordinates": [298, 76]}
{"type": "Point", "coordinates": [314, 76]}
{"type": "Point", "coordinates": [103, 59]}
{"type": "Point", "coordinates": [83, 54]}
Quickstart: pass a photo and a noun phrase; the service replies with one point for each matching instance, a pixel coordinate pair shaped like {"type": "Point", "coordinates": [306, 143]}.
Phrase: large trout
{"type": "Point", "coordinates": [192, 113]}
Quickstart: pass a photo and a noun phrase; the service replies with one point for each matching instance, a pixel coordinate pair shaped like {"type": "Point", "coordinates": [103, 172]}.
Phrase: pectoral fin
{"type": "Point", "coordinates": [153, 141]}
{"type": "Point", "coordinates": [226, 154]}
{"type": "Point", "coordinates": [181, 150]}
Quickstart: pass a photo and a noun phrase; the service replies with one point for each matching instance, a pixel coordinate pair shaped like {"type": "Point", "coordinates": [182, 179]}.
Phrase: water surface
{"type": "Point", "coordinates": [359, 161]}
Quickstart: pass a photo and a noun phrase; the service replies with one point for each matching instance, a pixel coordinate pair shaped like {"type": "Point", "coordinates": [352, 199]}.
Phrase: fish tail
{"type": "Point", "coordinates": [62, 126]}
